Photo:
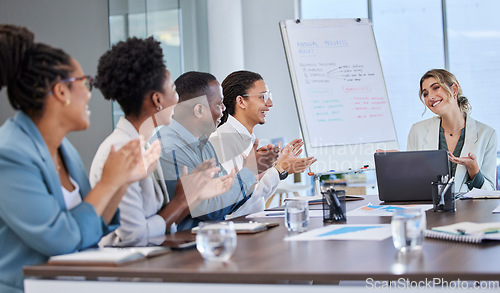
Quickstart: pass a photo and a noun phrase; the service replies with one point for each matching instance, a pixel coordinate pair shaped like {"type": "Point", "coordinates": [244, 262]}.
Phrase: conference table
{"type": "Point", "coordinates": [265, 258]}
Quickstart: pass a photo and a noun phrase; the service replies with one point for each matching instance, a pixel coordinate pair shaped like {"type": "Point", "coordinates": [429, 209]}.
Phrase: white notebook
{"type": "Point", "coordinates": [108, 256]}
{"type": "Point", "coordinates": [466, 232]}
{"type": "Point", "coordinates": [453, 237]}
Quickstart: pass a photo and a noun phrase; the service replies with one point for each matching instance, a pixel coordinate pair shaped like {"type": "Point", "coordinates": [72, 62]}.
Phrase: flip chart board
{"type": "Point", "coordinates": [339, 92]}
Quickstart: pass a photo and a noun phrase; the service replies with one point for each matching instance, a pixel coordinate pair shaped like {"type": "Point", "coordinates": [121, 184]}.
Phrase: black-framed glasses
{"type": "Point", "coordinates": [266, 96]}
{"type": "Point", "coordinates": [88, 81]}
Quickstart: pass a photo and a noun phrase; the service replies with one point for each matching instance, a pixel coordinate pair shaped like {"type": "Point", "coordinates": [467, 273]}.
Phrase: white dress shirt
{"type": "Point", "coordinates": [230, 140]}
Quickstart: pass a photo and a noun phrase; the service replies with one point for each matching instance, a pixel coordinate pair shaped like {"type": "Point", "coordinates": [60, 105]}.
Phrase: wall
{"type": "Point", "coordinates": [264, 54]}
{"type": "Point", "coordinates": [244, 34]}
{"type": "Point", "coordinates": [81, 29]}
{"type": "Point", "coordinates": [225, 37]}
{"type": "Point", "coordinates": [253, 42]}
{"type": "Point", "coordinates": [194, 32]}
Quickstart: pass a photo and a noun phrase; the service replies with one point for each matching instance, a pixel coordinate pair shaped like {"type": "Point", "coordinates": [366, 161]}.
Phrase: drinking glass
{"type": "Point", "coordinates": [296, 215]}
{"type": "Point", "coordinates": [216, 241]}
{"type": "Point", "coordinates": [408, 227]}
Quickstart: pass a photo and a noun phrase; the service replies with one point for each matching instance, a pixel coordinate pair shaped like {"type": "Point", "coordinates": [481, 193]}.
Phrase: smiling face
{"type": "Point", "coordinates": [437, 98]}
{"type": "Point", "coordinates": [214, 95]}
{"type": "Point", "coordinates": [77, 112]}
{"type": "Point", "coordinates": [169, 99]}
{"type": "Point", "coordinates": [256, 108]}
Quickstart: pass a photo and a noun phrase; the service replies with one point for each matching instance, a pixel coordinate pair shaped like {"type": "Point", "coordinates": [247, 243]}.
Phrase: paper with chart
{"type": "Point", "coordinates": [383, 210]}
{"type": "Point", "coordinates": [345, 232]}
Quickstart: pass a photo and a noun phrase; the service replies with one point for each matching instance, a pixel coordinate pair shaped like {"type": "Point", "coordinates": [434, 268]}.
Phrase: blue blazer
{"type": "Point", "coordinates": [34, 221]}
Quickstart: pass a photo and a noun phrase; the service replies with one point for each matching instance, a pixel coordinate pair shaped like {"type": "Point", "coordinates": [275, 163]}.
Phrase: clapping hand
{"type": "Point", "coordinates": [130, 163]}
{"type": "Point", "coordinates": [292, 149]}
{"type": "Point", "coordinates": [289, 161]}
{"type": "Point", "coordinates": [217, 186]}
{"type": "Point", "coordinates": [266, 156]}
{"type": "Point", "coordinates": [250, 160]}
{"type": "Point", "coordinates": [200, 184]}
{"type": "Point", "coordinates": [147, 162]}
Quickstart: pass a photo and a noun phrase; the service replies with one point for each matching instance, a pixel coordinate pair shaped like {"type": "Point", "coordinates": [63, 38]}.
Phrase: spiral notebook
{"type": "Point", "coordinates": [453, 237]}
{"type": "Point", "coordinates": [466, 232]}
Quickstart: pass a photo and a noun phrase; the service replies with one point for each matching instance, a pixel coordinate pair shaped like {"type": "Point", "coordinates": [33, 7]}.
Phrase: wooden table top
{"type": "Point", "coordinates": [266, 258]}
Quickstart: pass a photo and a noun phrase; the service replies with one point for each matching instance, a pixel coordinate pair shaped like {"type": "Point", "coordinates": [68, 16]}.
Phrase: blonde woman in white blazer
{"type": "Point", "coordinates": [471, 145]}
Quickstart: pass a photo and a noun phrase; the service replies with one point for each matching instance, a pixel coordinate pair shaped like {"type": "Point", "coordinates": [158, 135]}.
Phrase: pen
{"type": "Point", "coordinates": [274, 214]}
{"type": "Point", "coordinates": [441, 203]}
{"type": "Point", "coordinates": [334, 205]}
{"type": "Point", "coordinates": [338, 212]}
{"type": "Point", "coordinates": [326, 194]}
{"type": "Point", "coordinates": [490, 230]}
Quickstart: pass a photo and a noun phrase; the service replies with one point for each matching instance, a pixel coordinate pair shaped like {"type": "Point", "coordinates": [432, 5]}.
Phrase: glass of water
{"type": "Point", "coordinates": [296, 215]}
{"type": "Point", "coordinates": [408, 227]}
{"type": "Point", "coordinates": [216, 241]}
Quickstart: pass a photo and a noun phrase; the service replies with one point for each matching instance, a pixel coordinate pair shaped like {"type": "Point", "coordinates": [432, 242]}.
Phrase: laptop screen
{"type": "Point", "coordinates": [407, 176]}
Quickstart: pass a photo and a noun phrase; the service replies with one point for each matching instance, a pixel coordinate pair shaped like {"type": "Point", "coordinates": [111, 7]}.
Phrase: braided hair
{"type": "Point", "coordinates": [129, 71]}
{"type": "Point", "coordinates": [236, 84]}
{"type": "Point", "coordinates": [29, 69]}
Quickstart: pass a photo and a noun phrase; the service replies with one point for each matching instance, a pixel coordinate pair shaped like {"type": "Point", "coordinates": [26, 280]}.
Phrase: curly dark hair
{"type": "Point", "coordinates": [192, 84]}
{"type": "Point", "coordinates": [236, 84]}
{"type": "Point", "coordinates": [129, 71]}
{"type": "Point", "coordinates": [29, 69]}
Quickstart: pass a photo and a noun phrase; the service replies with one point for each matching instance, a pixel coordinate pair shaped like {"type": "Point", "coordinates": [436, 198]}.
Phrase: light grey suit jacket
{"type": "Point", "coordinates": [480, 139]}
{"type": "Point", "coordinates": [140, 225]}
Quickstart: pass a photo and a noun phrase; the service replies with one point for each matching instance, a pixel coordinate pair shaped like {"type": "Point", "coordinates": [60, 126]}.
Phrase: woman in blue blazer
{"type": "Point", "coordinates": [46, 204]}
{"type": "Point", "coordinates": [471, 145]}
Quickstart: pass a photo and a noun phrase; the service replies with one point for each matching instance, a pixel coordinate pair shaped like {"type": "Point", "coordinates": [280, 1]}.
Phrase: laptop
{"type": "Point", "coordinates": [407, 176]}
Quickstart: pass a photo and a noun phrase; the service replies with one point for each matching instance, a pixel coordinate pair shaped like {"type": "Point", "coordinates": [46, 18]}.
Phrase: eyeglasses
{"type": "Point", "coordinates": [266, 96]}
{"type": "Point", "coordinates": [88, 81]}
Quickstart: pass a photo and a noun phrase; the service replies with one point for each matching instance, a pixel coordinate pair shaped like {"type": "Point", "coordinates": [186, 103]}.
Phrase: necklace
{"type": "Point", "coordinates": [454, 131]}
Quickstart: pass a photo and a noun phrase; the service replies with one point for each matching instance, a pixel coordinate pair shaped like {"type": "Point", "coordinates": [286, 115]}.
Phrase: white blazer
{"type": "Point", "coordinates": [480, 139]}
{"type": "Point", "coordinates": [139, 223]}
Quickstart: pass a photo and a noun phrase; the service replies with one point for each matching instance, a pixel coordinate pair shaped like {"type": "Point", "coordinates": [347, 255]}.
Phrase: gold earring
{"type": "Point", "coordinates": [66, 103]}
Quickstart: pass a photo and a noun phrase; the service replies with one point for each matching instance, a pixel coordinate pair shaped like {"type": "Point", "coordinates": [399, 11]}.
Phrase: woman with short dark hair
{"type": "Point", "coordinates": [133, 73]}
